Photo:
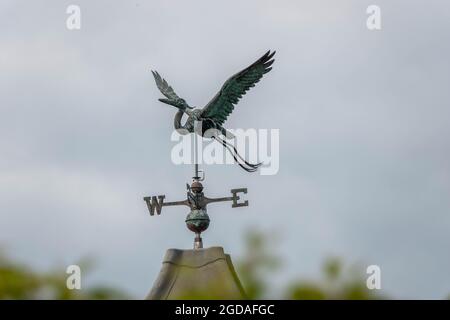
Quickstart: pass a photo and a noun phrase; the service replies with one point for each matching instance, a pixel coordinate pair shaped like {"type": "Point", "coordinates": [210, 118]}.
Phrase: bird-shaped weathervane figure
{"type": "Point", "coordinates": [215, 113]}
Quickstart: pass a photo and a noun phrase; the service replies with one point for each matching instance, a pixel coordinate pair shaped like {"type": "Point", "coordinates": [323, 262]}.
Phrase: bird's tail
{"type": "Point", "coordinates": [247, 166]}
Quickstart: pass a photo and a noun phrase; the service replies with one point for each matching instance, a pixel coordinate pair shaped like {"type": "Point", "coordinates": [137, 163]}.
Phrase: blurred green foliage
{"type": "Point", "coordinates": [337, 283]}
{"type": "Point", "coordinates": [255, 269]}
{"type": "Point", "coordinates": [259, 263]}
{"type": "Point", "coordinates": [18, 281]}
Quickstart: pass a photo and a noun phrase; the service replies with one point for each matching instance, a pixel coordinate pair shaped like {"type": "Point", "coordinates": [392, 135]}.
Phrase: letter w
{"type": "Point", "coordinates": [154, 203]}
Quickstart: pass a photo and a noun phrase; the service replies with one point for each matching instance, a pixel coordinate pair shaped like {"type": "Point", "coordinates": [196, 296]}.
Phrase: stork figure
{"type": "Point", "coordinates": [215, 113]}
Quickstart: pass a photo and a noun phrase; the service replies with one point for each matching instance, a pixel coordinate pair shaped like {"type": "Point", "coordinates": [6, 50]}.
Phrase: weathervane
{"type": "Point", "coordinates": [211, 118]}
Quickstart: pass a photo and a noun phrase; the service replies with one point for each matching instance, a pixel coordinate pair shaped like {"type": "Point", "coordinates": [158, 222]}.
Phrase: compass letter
{"type": "Point", "coordinates": [154, 203]}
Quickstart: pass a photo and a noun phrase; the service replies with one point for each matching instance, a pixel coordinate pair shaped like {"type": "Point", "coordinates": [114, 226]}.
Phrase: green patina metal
{"type": "Point", "coordinates": [197, 220]}
{"type": "Point", "coordinates": [212, 116]}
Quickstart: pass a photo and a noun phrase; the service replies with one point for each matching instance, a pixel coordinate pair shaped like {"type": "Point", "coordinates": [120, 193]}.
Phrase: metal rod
{"type": "Point", "coordinates": [176, 203]}
{"type": "Point", "coordinates": [196, 175]}
{"type": "Point", "coordinates": [210, 200]}
{"type": "Point", "coordinates": [198, 243]}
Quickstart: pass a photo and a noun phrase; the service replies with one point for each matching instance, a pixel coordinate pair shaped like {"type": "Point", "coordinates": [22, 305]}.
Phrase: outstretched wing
{"type": "Point", "coordinates": [235, 87]}
{"type": "Point", "coordinates": [167, 90]}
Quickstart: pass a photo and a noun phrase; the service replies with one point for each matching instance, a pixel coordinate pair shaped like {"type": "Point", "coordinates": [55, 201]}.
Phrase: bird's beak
{"type": "Point", "coordinates": [167, 101]}
{"type": "Point", "coordinates": [170, 102]}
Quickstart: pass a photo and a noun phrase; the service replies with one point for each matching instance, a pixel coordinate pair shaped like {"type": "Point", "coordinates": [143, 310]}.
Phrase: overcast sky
{"type": "Point", "coordinates": [364, 119]}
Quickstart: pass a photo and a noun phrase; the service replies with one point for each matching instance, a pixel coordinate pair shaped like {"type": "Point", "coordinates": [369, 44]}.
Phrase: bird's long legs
{"type": "Point", "coordinates": [247, 166]}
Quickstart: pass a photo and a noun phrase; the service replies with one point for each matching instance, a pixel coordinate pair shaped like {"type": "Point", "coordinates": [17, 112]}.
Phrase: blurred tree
{"type": "Point", "coordinates": [257, 264]}
{"type": "Point", "coordinates": [20, 282]}
{"type": "Point", "coordinates": [334, 285]}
